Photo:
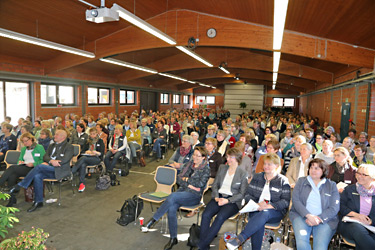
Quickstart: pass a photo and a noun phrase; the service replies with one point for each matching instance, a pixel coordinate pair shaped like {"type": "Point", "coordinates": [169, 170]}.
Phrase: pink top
{"type": "Point", "coordinates": [365, 205]}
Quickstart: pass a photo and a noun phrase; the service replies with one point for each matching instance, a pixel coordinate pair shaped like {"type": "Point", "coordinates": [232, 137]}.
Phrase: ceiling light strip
{"type": "Point", "coordinates": [128, 65]}
{"type": "Point", "coordinates": [133, 19]}
{"type": "Point", "coordinates": [276, 61]}
{"type": "Point", "coordinates": [44, 43]}
{"type": "Point", "coordinates": [279, 16]}
{"type": "Point", "coordinates": [173, 76]}
{"type": "Point", "coordinates": [194, 55]}
{"type": "Point", "coordinates": [224, 69]}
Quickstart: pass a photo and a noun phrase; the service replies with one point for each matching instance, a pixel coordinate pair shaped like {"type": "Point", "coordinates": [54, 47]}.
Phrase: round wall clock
{"type": "Point", "coordinates": [211, 33]}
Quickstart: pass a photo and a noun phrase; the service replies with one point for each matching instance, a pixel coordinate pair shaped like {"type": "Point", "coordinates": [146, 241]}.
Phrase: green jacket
{"type": "Point", "coordinates": [37, 153]}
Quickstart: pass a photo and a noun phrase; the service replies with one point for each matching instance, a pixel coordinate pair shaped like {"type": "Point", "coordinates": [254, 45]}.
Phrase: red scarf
{"type": "Point", "coordinates": [184, 151]}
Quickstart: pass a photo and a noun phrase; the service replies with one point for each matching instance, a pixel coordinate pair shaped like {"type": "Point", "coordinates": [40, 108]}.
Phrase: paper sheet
{"type": "Point", "coordinates": [251, 206]}
{"type": "Point", "coordinates": [341, 185]}
{"type": "Point", "coordinates": [350, 219]}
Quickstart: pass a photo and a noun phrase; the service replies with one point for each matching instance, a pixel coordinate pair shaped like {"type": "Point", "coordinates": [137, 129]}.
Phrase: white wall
{"type": "Point", "coordinates": [251, 94]}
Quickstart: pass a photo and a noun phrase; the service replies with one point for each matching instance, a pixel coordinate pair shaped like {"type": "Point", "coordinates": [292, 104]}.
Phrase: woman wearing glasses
{"type": "Point", "coordinates": [192, 181]}
{"type": "Point", "coordinates": [31, 155]}
{"type": "Point", "coordinates": [358, 202]}
{"type": "Point", "coordinates": [228, 191]}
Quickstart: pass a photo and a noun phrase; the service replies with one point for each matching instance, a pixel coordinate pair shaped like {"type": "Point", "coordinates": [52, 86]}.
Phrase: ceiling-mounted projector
{"type": "Point", "coordinates": [102, 15]}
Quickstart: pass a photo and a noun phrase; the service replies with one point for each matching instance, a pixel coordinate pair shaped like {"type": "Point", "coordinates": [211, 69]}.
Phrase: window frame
{"type": "Point", "coordinates": [205, 99]}
{"type": "Point", "coordinates": [188, 99]}
{"type": "Point", "coordinates": [283, 102]}
{"type": "Point", "coordinates": [98, 96]}
{"type": "Point", "coordinates": [57, 85]}
{"type": "Point", "coordinates": [162, 102]}
{"type": "Point", "coordinates": [126, 95]}
{"type": "Point", "coordinates": [178, 96]}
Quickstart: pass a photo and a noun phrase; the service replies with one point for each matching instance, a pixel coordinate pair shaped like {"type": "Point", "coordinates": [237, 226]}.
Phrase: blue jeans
{"type": "Point", "coordinates": [255, 227]}
{"type": "Point", "coordinates": [110, 165]}
{"type": "Point", "coordinates": [157, 148]}
{"type": "Point", "coordinates": [133, 148]}
{"type": "Point", "coordinates": [172, 204]}
{"type": "Point", "coordinates": [362, 237]}
{"type": "Point", "coordinates": [222, 214]}
{"type": "Point", "coordinates": [322, 235]}
{"type": "Point", "coordinates": [81, 165]}
{"type": "Point", "coordinates": [37, 175]}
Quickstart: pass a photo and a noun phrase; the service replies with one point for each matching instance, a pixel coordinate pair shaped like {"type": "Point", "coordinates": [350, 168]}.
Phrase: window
{"type": "Point", "coordinates": [176, 99]}
{"type": "Point", "coordinates": [164, 98]}
{"type": "Point", "coordinates": [127, 97]}
{"type": "Point", "coordinates": [52, 94]}
{"type": "Point", "coordinates": [200, 99]}
{"type": "Point", "coordinates": [186, 99]}
{"type": "Point", "coordinates": [98, 96]}
{"type": "Point", "coordinates": [283, 102]}
{"type": "Point", "coordinates": [14, 100]}
{"type": "Point", "coordinates": [289, 102]}
{"type": "Point", "coordinates": [277, 102]}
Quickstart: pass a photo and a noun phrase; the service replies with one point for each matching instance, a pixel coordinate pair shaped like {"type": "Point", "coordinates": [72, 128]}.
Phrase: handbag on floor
{"type": "Point", "coordinates": [103, 182]}
{"type": "Point", "coordinates": [194, 233]}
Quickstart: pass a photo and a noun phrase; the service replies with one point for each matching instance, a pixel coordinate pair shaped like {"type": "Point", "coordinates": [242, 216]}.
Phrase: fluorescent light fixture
{"type": "Point", "coordinates": [279, 16]}
{"type": "Point", "coordinates": [192, 82]}
{"type": "Point", "coordinates": [274, 78]}
{"type": "Point", "coordinates": [131, 18]}
{"type": "Point", "coordinates": [213, 87]}
{"type": "Point", "coordinates": [173, 76]}
{"type": "Point", "coordinates": [224, 69]}
{"type": "Point", "coordinates": [273, 87]}
{"type": "Point", "coordinates": [276, 61]}
{"type": "Point", "coordinates": [44, 43]}
{"type": "Point", "coordinates": [274, 83]}
{"type": "Point", "coordinates": [128, 65]}
{"type": "Point", "coordinates": [201, 84]}
{"type": "Point", "coordinates": [194, 55]}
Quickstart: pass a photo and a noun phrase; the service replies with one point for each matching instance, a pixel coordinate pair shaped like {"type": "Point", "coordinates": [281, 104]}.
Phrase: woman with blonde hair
{"type": "Point", "coordinates": [357, 201]}
{"type": "Point", "coordinates": [31, 156]}
{"type": "Point", "coordinates": [342, 169]}
{"type": "Point", "coordinates": [133, 136]}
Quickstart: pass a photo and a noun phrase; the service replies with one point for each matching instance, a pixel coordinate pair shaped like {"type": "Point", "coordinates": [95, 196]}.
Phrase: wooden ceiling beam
{"type": "Point", "coordinates": [183, 24]}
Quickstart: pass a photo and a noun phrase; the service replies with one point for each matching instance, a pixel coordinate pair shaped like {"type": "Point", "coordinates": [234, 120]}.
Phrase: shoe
{"type": "Point", "coordinates": [35, 206]}
{"type": "Point", "coordinates": [158, 159]}
{"type": "Point", "coordinates": [152, 153]}
{"type": "Point", "coordinates": [12, 201]}
{"type": "Point", "coordinates": [81, 187]}
{"type": "Point", "coordinates": [233, 244]}
{"type": "Point", "coordinates": [15, 189]}
{"type": "Point", "coordinates": [148, 225]}
{"type": "Point", "coordinates": [171, 243]}
{"type": "Point", "coordinates": [191, 214]}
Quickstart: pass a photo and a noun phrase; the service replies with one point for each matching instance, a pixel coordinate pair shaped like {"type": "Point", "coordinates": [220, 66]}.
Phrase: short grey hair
{"type": "Point", "coordinates": [188, 138]}
{"type": "Point", "coordinates": [369, 168]}
{"type": "Point", "coordinates": [194, 134]}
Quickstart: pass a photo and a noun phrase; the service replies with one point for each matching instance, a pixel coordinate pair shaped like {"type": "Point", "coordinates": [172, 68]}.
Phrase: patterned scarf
{"type": "Point", "coordinates": [365, 192]}
{"type": "Point", "coordinates": [184, 151]}
{"type": "Point", "coordinates": [190, 165]}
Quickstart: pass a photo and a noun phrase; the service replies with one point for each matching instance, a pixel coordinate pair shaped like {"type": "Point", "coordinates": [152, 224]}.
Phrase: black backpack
{"type": "Point", "coordinates": [128, 210]}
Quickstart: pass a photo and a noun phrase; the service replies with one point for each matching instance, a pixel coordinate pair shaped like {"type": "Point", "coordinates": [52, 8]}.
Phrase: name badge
{"type": "Point", "coordinates": [348, 181]}
{"type": "Point", "coordinates": [355, 193]}
{"type": "Point", "coordinates": [61, 154]}
{"type": "Point", "coordinates": [238, 183]}
{"type": "Point", "coordinates": [10, 140]}
{"type": "Point", "coordinates": [82, 138]}
{"type": "Point", "coordinates": [275, 189]}
{"type": "Point", "coordinates": [187, 158]}
{"type": "Point", "coordinates": [121, 139]}
{"type": "Point", "coordinates": [327, 194]}
{"type": "Point", "coordinates": [98, 145]}
{"type": "Point", "coordinates": [37, 154]}
{"type": "Point", "coordinates": [211, 160]}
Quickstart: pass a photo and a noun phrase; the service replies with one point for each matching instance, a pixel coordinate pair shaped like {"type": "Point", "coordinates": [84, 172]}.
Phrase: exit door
{"type": "Point", "coordinates": [345, 117]}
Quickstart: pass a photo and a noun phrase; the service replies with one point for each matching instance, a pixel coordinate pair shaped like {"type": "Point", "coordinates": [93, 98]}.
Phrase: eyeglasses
{"type": "Point", "coordinates": [208, 143]}
{"type": "Point", "coordinates": [195, 155]}
{"type": "Point", "coordinates": [361, 174]}
{"type": "Point", "coordinates": [185, 141]}
{"type": "Point", "coordinates": [24, 141]}
{"type": "Point", "coordinates": [318, 138]}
